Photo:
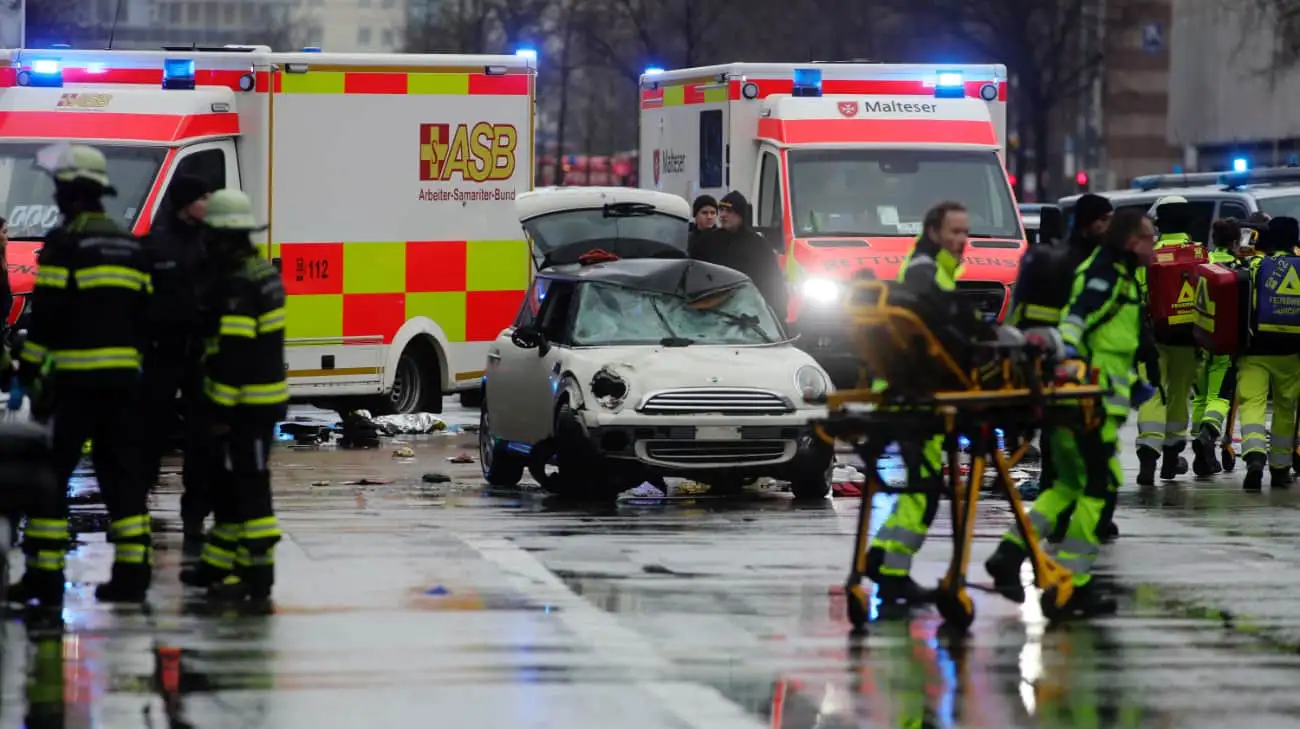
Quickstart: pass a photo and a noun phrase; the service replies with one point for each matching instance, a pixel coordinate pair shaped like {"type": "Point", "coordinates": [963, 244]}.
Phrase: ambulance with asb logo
{"type": "Point", "coordinates": [840, 162]}
{"type": "Point", "coordinates": [387, 183]}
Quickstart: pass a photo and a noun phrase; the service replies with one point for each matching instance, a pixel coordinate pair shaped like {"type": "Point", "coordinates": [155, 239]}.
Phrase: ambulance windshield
{"type": "Point", "coordinates": [885, 192]}
{"type": "Point", "coordinates": [27, 193]}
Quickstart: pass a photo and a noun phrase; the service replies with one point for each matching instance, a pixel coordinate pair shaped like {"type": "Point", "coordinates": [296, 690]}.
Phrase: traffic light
{"type": "Point", "coordinates": [1081, 180]}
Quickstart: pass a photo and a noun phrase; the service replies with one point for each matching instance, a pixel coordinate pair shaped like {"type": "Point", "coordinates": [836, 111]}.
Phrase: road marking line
{"type": "Point", "coordinates": [694, 704]}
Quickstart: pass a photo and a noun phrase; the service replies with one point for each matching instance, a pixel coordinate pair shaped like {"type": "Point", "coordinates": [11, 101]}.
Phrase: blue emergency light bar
{"type": "Point", "coordinates": [653, 71]}
{"type": "Point", "coordinates": [1259, 175]}
{"type": "Point", "coordinates": [807, 82]}
{"type": "Point", "coordinates": [311, 49]}
{"type": "Point", "coordinates": [44, 73]}
{"type": "Point", "coordinates": [949, 85]}
{"type": "Point", "coordinates": [1147, 183]}
{"type": "Point", "coordinates": [528, 53]}
{"type": "Point", "coordinates": [178, 74]}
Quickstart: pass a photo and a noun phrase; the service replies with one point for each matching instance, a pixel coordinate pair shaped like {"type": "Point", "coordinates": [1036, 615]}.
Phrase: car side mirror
{"type": "Point", "coordinates": [1051, 226]}
{"type": "Point", "coordinates": [527, 337]}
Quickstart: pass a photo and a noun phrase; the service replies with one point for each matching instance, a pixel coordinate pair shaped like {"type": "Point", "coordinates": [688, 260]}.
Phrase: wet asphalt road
{"type": "Point", "coordinates": [409, 604]}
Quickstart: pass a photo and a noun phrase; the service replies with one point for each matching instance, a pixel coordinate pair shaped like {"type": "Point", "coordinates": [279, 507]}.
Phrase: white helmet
{"type": "Point", "coordinates": [69, 162]}
{"type": "Point", "coordinates": [231, 210]}
{"type": "Point", "coordinates": [1166, 200]}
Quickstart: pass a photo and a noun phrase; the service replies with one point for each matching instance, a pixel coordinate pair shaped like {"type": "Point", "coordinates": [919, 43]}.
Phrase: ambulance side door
{"type": "Point", "coordinates": [213, 162]}
{"type": "Point", "coordinates": [767, 199]}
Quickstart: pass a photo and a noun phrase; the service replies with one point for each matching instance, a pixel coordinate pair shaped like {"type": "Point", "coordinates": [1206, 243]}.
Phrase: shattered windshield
{"type": "Point", "coordinates": [614, 315]}
{"type": "Point", "coordinates": [552, 231]}
{"type": "Point", "coordinates": [886, 192]}
{"type": "Point", "coordinates": [27, 193]}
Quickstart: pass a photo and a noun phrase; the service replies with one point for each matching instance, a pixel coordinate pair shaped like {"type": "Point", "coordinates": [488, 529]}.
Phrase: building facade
{"type": "Point", "coordinates": [1230, 94]}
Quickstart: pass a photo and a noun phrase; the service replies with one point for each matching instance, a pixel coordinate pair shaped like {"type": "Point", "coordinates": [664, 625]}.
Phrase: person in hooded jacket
{"type": "Point", "coordinates": [704, 213]}
{"type": "Point", "coordinates": [171, 361]}
{"type": "Point", "coordinates": [738, 246]}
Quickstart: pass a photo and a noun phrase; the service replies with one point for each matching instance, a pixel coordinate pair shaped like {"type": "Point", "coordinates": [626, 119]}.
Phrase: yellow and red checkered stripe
{"type": "Point", "coordinates": [472, 289]}
{"type": "Point", "coordinates": [327, 80]}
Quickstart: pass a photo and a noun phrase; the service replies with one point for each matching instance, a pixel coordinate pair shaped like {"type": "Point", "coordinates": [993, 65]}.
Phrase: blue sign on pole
{"type": "Point", "coordinates": [1153, 37]}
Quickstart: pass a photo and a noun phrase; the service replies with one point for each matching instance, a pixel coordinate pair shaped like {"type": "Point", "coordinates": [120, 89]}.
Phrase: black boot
{"type": "Point", "coordinates": [1004, 568]}
{"type": "Point", "coordinates": [202, 575]}
{"type": "Point", "coordinates": [129, 583]}
{"type": "Point", "coordinates": [1255, 465]}
{"type": "Point", "coordinates": [1279, 478]}
{"type": "Point", "coordinates": [1148, 458]}
{"type": "Point", "coordinates": [1170, 466]}
{"type": "Point", "coordinates": [39, 587]}
{"type": "Point", "coordinates": [1295, 462]}
{"type": "Point", "coordinates": [895, 590]}
{"type": "Point", "coordinates": [1205, 462]}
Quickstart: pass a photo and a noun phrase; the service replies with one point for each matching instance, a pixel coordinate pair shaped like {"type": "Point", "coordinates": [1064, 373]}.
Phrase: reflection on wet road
{"type": "Point", "coordinates": [403, 603]}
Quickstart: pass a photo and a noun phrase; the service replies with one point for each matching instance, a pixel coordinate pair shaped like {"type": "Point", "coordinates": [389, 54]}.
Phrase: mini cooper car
{"type": "Point", "coordinates": [630, 362]}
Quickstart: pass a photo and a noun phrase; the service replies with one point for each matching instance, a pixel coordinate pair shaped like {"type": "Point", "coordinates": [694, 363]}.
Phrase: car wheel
{"type": "Point", "coordinates": [582, 472]}
{"type": "Point", "coordinates": [501, 466]}
{"type": "Point", "coordinates": [471, 398]}
{"type": "Point", "coordinates": [811, 478]}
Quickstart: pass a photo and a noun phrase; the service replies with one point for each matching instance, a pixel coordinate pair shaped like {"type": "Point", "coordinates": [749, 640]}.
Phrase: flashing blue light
{"type": "Point", "coordinates": [807, 82]}
{"type": "Point", "coordinates": [45, 68]}
{"type": "Point", "coordinates": [311, 49]}
{"type": "Point", "coordinates": [653, 71]}
{"type": "Point", "coordinates": [949, 85]}
{"type": "Point", "coordinates": [178, 73]}
{"type": "Point", "coordinates": [44, 73]}
{"type": "Point", "coordinates": [528, 53]}
{"type": "Point", "coordinates": [1178, 169]}
{"type": "Point", "coordinates": [60, 46]}
{"type": "Point", "coordinates": [1240, 164]}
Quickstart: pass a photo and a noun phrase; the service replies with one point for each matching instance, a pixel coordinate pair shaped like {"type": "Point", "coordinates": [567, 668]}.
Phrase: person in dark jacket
{"type": "Point", "coordinates": [738, 246]}
{"type": "Point", "coordinates": [171, 361]}
{"type": "Point", "coordinates": [704, 213]}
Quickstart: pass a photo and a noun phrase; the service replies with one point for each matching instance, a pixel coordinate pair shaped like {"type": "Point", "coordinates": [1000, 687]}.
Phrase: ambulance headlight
{"type": "Point", "coordinates": [812, 384]}
{"type": "Point", "coordinates": [822, 290]}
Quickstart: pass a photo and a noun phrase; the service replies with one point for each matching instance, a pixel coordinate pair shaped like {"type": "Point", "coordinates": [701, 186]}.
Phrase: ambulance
{"type": "Point", "coordinates": [840, 162]}
{"type": "Point", "coordinates": [387, 183]}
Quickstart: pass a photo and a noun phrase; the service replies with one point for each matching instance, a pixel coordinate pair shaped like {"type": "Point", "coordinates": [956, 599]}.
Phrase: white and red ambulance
{"type": "Point", "coordinates": [387, 181]}
{"type": "Point", "coordinates": [840, 162]}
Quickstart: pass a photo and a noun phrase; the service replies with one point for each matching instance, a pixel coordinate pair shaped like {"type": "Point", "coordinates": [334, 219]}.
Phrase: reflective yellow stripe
{"type": "Point", "coordinates": [265, 528]}
{"type": "Point", "coordinates": [48, 560]}
{"type": "Point", "coordinates": [211, 346]}
{"type": "Point", "coordinates": [104, 358]}
{"type": "Point", "coordinates": [233, 325]}
{"type": "Point", "coordinates": [271, 394]}
{"type": "Point", "coordinates": [223, 395]}
{"type": "Point", "coordinates": [226, 532]}
{"type": "Point", "coordinates": [55, 277]}
{"type": "Point", "coordinates": [130, 553]}
{"type": "Point", "coordinates": [51, 530]}
{"type": "Point", "coordinates": [219, 557]}
{"type": "Point", "coordinates": [122, 277]}
{"type": "Point", "coordinates": [271, 321]}
{"type": "Point", "coordinates": [244, 558]}
{"type": "Point", "coordinates": [33, 353]}
{"type": "Point", "coordinates": [1042, 313]}
{"type": "Point", "coordinates": [131, 526]}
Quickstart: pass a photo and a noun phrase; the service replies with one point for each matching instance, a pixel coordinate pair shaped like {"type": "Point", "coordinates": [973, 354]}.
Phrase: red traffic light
{"type": "Point", "coordinates": [1012, 180]}
{"type": "Point", "coordinates": [1081, 177]}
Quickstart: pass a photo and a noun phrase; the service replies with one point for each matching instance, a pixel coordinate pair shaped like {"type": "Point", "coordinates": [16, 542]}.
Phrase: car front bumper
{"type": "Point", "coordinates": [761, 445]}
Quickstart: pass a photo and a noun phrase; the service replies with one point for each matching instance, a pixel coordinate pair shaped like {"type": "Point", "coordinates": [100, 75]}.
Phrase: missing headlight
{"type": "Point", "coordinates": [608, 388]}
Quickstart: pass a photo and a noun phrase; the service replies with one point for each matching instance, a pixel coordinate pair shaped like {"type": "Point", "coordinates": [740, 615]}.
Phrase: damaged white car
{"type": "Point", "coordinates": [623, 369]}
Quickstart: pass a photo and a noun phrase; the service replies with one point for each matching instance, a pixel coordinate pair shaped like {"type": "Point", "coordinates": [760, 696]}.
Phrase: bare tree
{"type": "Point", "coordinates": [56, 21]}
{"type": "Point", "coordinates": [458, 26]}
{"type": "Point", "coordinates": [629, 34]}
{"type": "Point", "coordinates": [1275, 20]}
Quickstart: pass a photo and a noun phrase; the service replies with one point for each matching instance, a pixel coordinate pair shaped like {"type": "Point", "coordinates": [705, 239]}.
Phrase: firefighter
{"type": "Point", "coordinates": [82, 357]}
{"type": "Point", "coordinates": [1213, 400]}
{"type": "Point", "coordinates": [931, 266]}
{"type": "Point", "coordinates": [1162, 422]}
{"type": "Point", "coordinates": [171, 363]}
{"type": "Point", "coordinates": [1269, 363]}
{"type": "Point", "coordinates": [1043, 287]}
{"type": "Point", "coordinates": [1101, 328]}
{"type": "Point", "coordinates": [246, 394]}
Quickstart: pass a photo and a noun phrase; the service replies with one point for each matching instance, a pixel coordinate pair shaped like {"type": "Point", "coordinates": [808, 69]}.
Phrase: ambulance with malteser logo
{"type": "Point", "coordinates": [387, 182]}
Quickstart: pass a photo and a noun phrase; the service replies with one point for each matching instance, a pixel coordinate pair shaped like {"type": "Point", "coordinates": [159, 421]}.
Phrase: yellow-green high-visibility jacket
{"type": "Point", "coordinates": [244, 374]}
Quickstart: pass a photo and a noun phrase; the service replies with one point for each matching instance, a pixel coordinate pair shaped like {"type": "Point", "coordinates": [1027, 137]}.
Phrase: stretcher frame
{"type": "Point", "coordinates": [869, 420]}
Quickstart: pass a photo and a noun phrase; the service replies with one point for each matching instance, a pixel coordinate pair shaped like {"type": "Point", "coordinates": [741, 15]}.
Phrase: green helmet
{"type": "Point", "coordinates": [82, 162]}
{"type": "Point", "coordinates": [230, 210]}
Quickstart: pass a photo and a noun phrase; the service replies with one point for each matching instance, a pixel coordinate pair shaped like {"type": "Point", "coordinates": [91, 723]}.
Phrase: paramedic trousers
{"type": "Point", "coordinates": [1163, 423]}
{"type": "Point", "coordinates": [904, 532]}
{"type": "Point", "coordinates": [1088, 475]}
{"type": "Point", "coordinates": [108, 417]}
{"type": "Point", "coordinates": [1210, 407]}
{"type": "Point", "coordinates": [171, 367]}
{"type": "Point", "coordinates": [1255, 373]}
{"type": "Point", "coordinates": [241, 545]}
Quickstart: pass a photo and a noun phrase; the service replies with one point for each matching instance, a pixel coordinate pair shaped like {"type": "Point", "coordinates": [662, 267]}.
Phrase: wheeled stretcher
{"type": "Point", "coordinates": [944, 381]}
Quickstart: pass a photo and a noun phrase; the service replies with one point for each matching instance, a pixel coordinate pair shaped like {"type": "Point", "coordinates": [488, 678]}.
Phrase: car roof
{"type": "Point", "coordinates": [547, 200]}
{"type": "Point", "coordinates": [1130, 196]}
{"type": "Point", "coordinates": [674, 276]}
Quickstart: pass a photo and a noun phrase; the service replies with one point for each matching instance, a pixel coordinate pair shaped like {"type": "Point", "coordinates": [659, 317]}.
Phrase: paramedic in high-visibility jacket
{"type": "Point", "coordinates": [246, 394]}
{"type": "Point", "coordinates": [1214, 391]}
{"type": "Point", "coordinates": [1269, 361]}
{"type": "Point", "coordinates": [82, 360]}
{"type": "Point", "coordinates": [931, 266]}
{"type": "Point", "coordinates": [1162, 423]}
{"type": "Point", "coordinates": [1101, 329]}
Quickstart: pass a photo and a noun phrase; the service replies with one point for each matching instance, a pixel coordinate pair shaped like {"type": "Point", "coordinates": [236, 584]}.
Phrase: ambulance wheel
{"type": "Point", "coordinates": [417, 382]}
{"type": "Point", "coordinates": [957, 609]}
{"type": "Point", "coordinates": [501, 466]}
{"type": "Point", "coordinates": [1228, 458]}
